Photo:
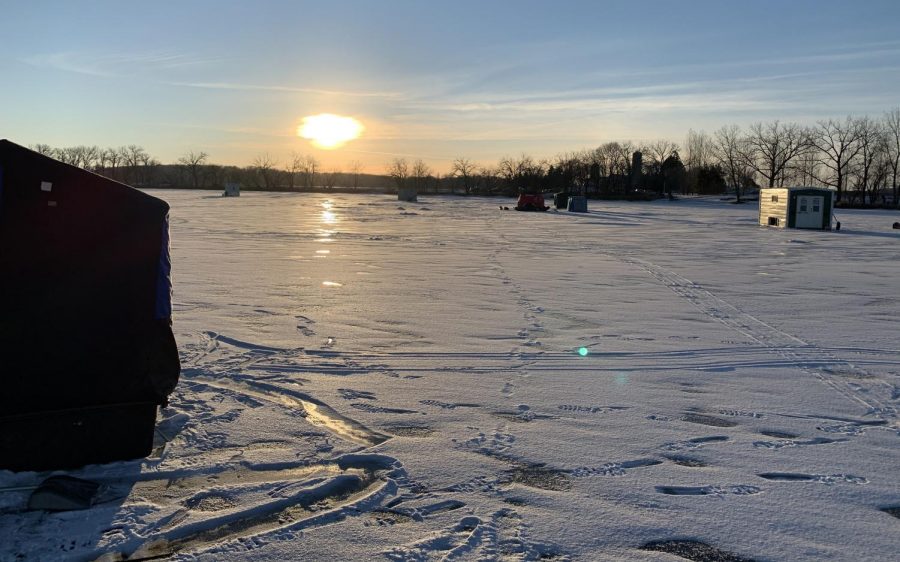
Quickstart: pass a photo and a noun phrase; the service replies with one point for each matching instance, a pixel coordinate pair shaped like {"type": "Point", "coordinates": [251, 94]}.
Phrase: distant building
{"type": "Point", "coordinates": [407, 194]}
{"type": "Point", "coordinates": [232, 190]}
{"type": "Point", "coordinates": [796, 207]}
{"type": "Point", "coordinates": [636, 167]}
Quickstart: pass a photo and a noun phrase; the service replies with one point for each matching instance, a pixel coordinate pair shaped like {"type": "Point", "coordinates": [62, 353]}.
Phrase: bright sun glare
{"type": "Point", "coordinates": [329, 131]}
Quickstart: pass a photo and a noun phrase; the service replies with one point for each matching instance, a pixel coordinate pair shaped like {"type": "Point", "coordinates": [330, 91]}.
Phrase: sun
{"type": "Point", "coordinates": [329, 131]}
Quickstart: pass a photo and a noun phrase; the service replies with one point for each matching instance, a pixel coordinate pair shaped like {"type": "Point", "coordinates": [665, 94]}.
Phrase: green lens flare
{"type": "Point", "coordinates": [583, 351]}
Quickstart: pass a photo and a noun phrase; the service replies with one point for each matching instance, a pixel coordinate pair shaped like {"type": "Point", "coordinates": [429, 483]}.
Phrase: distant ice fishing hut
{"type": "Point", "coordinates": [410, 194]}
{"type": "Point", "coordinates": [796, 207]}
{"type": "Point", "coordinates": [232, 190]}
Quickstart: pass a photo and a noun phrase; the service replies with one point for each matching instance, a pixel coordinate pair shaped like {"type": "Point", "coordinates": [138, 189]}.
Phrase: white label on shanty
{"type": "Point", "coordinates": [46, 186]}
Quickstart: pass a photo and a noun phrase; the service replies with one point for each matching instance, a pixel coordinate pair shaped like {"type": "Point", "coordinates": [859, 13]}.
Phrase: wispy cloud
{"type": "Point", "coordinates": [292, 89]}
{"type": "Point", "coordinates": [233, 130]}
{"type": "Point", "coordinates": [94, 64]}
{"type": "Point", "coordinates": [746, 92]}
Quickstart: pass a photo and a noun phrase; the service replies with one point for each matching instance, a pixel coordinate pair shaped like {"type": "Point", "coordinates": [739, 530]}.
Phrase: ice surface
{"type": "Point", "coordinates": [365, 381]}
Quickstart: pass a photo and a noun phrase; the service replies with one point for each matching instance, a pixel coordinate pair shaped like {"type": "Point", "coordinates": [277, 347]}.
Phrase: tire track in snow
{"type": "Point", "coordinates": [790, 347]}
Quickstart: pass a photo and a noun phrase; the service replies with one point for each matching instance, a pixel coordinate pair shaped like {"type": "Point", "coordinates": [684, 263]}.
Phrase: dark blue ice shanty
{"type": "Point", "coordinates": [87, 352]}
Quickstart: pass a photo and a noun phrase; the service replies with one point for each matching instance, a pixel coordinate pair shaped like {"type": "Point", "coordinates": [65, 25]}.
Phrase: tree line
{"type": "Point", "coordinates": [859, 157]}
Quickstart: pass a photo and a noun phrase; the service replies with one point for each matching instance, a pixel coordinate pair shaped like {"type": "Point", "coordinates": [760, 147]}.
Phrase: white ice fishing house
{"type": "Point", "coordinates": [796, 207]}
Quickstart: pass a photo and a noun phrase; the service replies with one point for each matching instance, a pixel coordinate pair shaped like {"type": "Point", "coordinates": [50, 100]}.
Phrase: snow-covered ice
{"type": "Point", "coordinates": [371, 380]}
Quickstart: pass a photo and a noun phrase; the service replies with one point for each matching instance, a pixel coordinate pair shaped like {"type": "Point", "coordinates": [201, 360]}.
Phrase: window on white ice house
{"type": "Point", "coordinates": [774, 199]}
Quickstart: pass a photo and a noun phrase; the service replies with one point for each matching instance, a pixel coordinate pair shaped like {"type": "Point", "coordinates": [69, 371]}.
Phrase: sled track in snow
{"type": "Point", "coordinates": [791, 348]}
{"type": "Point", "coordinates": [316, 412]}
{"type": "Point", "coordinates": [298, 498]}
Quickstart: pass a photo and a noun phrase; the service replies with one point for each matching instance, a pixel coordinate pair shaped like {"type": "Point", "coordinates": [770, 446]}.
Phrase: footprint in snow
{"type": "Point", "coordinates": [365, 407]}
{"type": "Point", "coordinates": [739, 490]}
{"type": "Point", "coordinates": [448, 405]}
{"type": "Point", "coordinates": [828, 479]}
{"type": "Point", "coordinates": [711, 421]}
{"type": "Point", "coordinates": [695, 443]}
{"type": "Point", "coordinates": [590, 409]}
{"type": "Point", "coordinates": [350, 394]}
{"type": "Point", "coordinates": [787, 443]}
{"type": "Point", "coordinates": [613, 468]}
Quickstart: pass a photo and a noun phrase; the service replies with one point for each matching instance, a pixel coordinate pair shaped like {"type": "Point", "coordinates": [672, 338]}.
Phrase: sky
{"type": "Point", "coordinates": [434, 80]}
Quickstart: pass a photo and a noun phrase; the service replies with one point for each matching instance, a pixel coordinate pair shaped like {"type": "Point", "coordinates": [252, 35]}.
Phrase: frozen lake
{"type": "Point", "coordinates": [370, 379]}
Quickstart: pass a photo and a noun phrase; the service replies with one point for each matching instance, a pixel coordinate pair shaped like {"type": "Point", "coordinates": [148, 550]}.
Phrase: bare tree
{"type": "Point", "coordinates": [398, 170]}
{"type": "Point", "coordinates": [572, 169]}
{"type": "Point", "coordinates": [149, 170]}
{"type": "Point", "coordinates": [872, 146]}
{"type": "Point", "coordinates": [522, 172]}
{"type": "Point", "coordinates": [134, 155]}
{"type": "Point", "coordinates": [329, 178]}
{"type": "Point", "coordinates": [295, 166]}
{"type": "Point", "coordinates": [355, 167]}
{"type": "Point", "coordinates": [92, 157]}
{"type": "Point", "coordinates": [488, 180]}
{"type": "Point", "coordinates": [310, 169]}
{"type": "Point", "coordinates": [102, 160]}
{"type": "Point", "coordinates": [623, 163]}
{"type": "Point", "coordinates": [605, 157]}
{"type": "Point", "coordinates": [464, 168]}
{"type": "Point", "coordinates": [113, 159]}
{"type": "Point", "coordinates": [193, 162]}
{"type": "Point", "coordinates": [699, 150]}
{"type": "Point", "coordinates": [657, 152]}
{"type": "Point", "coordinates": [44, 149]}
{"type": "Point", "coordinates": [507, 168]}
{"type": "Point", "coordinates": [769, 148]}
{"type": "Point", "coordinates": [729, 151]}
{"type": "Point", "coordinates": [804, 170]}
{"type": "Point", "coordinates": [81, 156]}
{"type": "Point", "coordinates": [420, 173]}
{"type": "Point", "coordinates": [613, 157]}
{"type": "Point", "coordinates": [892, 145]}
{"type": "Point", "coordinates": [66, 155]}
{"type": "Point", "coordinates": [264, 167]}
{"type": "Point", "coordinates": [838, 142]}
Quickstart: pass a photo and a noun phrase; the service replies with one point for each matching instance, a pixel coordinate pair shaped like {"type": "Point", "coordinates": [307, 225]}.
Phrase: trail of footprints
{"type": "Point", "coordinates": [531, 312]}
{"type": "Point", "coordinates": [504, 533]}
{"type": "Point", "coordinates": [799, 352]}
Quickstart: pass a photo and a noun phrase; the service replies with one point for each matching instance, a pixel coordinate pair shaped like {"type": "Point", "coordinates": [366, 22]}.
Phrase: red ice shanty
{"type": "Point", "coordinates": [87, 352]}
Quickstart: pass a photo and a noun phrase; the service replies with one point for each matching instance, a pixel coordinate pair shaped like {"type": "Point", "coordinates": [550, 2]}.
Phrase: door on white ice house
{"type": "Point", "coordinates": [809, 212]}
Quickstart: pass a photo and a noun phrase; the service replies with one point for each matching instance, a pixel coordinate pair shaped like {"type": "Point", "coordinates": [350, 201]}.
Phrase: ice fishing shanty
{"type": "Point", "coordinates": [409, 194]}
{"type": "Point", "coordinates": [86, 342]}
{"type": "Point", "coordinates": [796, 207]}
